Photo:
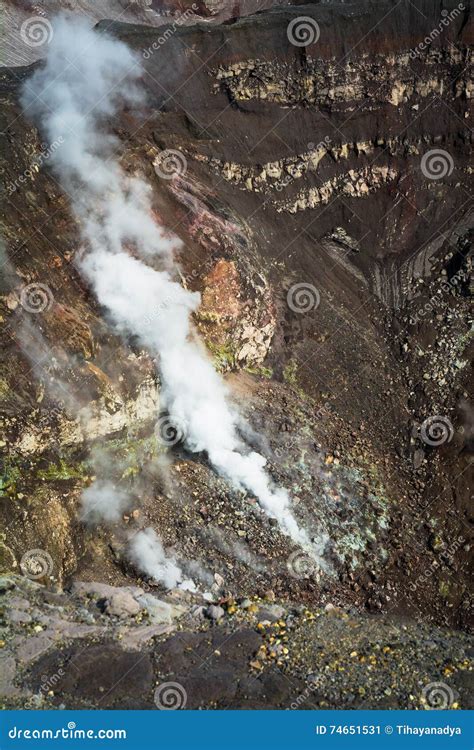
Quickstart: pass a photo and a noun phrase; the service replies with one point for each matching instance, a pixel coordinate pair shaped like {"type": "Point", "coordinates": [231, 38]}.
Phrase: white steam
{"type": "Point", "coordinates": [146, 551]}
{"type": "Point", "coordinates": [87, 78]}
{"type": "Point", "coordinates": [104, 501]}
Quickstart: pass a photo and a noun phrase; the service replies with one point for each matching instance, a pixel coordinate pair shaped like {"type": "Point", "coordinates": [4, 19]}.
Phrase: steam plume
{"type": "Point", "coordinates": [103, 501]}
{"type": "Point", "coordinates": [87, 78]}
{"type": "Point", "coordinates": [146, 550]}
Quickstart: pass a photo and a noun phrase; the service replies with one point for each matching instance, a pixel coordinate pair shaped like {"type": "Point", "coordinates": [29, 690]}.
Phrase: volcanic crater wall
{"type": "Point", "coordinates": [301, 164]}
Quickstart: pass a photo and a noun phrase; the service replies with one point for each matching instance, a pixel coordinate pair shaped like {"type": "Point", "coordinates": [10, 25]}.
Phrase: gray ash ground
{"type": "Point", "coordinates": [95, 648]}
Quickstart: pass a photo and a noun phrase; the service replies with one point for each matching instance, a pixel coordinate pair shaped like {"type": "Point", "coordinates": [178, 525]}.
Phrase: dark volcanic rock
{"type": "Point", "coordinates": [303, 165]}
{"type": "Point", "coordinates": [308, 659]}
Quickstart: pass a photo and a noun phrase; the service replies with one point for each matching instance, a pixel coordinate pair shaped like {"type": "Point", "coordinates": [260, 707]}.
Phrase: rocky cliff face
{"type": "Point", "coordinates": [27, 23]}
{"type": "Point", "coordinates": [322, 192]}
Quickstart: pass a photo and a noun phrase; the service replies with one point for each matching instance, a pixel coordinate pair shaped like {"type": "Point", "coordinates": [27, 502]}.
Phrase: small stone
{"type": "Point", "coordinates": [12, 301]}
{"type": "Point", "coordinates": [198, 612]}
{"type": "Point", "coordinates": [272, 613]}
{"type": "Point", "coordinates": [215, 612]}
{"type": "Point", "coordinates": [121, 604]}
{"type": "Point", "coordinates": [418, 458]}
{"type": "Point", "coordinates": [160, 611]}
{"type": "Point", "coordinates": [218, 579]}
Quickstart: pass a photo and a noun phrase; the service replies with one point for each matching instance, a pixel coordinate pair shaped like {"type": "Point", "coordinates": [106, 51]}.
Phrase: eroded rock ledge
{"type": "Point", "coordinates": [278, 174]}
{"type": "Point", "coordinates": [366, 82]}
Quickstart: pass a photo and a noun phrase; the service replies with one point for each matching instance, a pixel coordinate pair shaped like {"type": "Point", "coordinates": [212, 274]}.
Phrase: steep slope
{"type": "Point", "coordinates": [278, 165]}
